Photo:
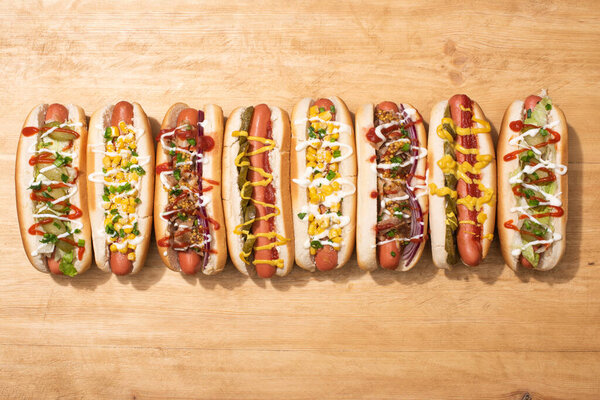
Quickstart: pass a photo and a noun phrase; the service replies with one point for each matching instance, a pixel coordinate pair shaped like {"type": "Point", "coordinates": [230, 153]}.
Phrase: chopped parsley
{"type": "Point", "coordinates": [301, 215]}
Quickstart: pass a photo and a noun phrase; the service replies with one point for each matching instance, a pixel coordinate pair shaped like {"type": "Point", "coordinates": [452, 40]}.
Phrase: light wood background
{"type": "Point", "coordinates": [484, 333]}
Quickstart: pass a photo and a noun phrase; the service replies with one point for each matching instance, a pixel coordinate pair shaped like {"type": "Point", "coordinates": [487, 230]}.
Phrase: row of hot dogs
{"type": "Point", "coordinates": [276, 197]}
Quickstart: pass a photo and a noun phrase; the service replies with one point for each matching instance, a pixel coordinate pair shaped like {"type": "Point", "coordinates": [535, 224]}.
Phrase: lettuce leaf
{"type": "Point", "coordinates": [66, 264]}
{"type": "Point", "coordinates": [539, 114]}
{"type": "Point", "coordinates": [531, 256]}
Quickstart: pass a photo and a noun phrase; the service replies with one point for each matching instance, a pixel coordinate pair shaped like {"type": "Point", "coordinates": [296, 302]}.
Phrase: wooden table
{"type": "Point", "coordinates": [484, 333]}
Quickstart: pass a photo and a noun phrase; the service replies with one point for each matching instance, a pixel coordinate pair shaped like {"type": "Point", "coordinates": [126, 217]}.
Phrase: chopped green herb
{"type": "Point", "coordinates": [81, 243]}
{"type": "Point", "coordinates": [393, 253]}
{"type": "Point", "coordinates": [543, 131]}
{"type": "Point", "coordinates": [321, 109]}
{"type": "Point", "coordinates": [36, 186]}
{"type": "Point", "coordinates": [337, 153]}
{"type": "Point", "coordinates": [105, 198]}
{"type": "Point", "coordinates": [406, 147]}
{"type": "Point", "coordinates": [332, 109]}
{"type": "Point", "coordinates": [192, 142]}
{"type": "Point", "coordinates": [64, 178]}
{"type": "Point", "coordinates": [330, 175]}
{"type": "Point", "coordinates": [315, 244]}
{"type": "Point", "coordinates": [177, 174]}
{"type": "Point", "coordinates": [138, 200]}
{"type": "Point", "coordinates": [107, 133]}
{"type": "Point", "coordinates": [548, 106]}
{"type": "Point", "coordinates": [528, 113]}
{"type": "Point", "coordinates": [49, 238]}
{"type": "Point", "coordinates": [301, 215]}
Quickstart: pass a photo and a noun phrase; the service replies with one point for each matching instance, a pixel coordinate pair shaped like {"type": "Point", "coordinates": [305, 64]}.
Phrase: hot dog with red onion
{"type": "Point", "coordinates": [392, 212]}
{"type": "Point", "coordinates": [324, 183]}
{"type": "Point", "coordinates": [120, 159]}
{"type": "Point", "coordinates": [53, 216]}
{"type": "Point", "coordinates": [462, 182]}
{"type": "Point", "coordinates": [256, 191]}
{"type": "Point", "coordinates": [188, 214]}
{"type": "Point", "coordinates": [532, 188]}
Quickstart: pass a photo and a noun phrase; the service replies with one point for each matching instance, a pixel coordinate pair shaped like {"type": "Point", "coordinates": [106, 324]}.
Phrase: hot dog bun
{"type": "Point", "coordinates": [99, 121]}
{"type": "Point", "coordinates": [279, 163]}
{"type": "Point", "coordinates": [211, 170]}
{"type": "Point", "coordinates": [366, 219]}
{"type": "Point", "coordinates": [347, 170]}
{"type": "Point", "coordinates": [506, 198]}
{"type": "Point", "coordinates": [24, 174]}
{"type": "Point", "coordinates": [437, 204]}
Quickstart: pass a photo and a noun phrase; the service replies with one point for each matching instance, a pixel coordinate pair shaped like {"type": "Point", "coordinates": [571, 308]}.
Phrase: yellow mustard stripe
{"type": "Point", "coordinates": [268, 178]}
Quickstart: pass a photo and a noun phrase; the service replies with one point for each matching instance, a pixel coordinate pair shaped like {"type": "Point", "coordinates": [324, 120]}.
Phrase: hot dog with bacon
{"type": "Point", "coordinates": [53, 217]}
{"type": "Point", "coordinates": [324, 183]}
{"type": "Point", "coordinates": [256, 188]}
{"type": "Point", "coordinates": [120, 160]}
{"type": "Point", "coordinates": [188, 214]}
{"type": "Point", "coordinates": [462, 182]}
{"type": "Point", "coordinates": [532, 193]}
{"type": "Point", "coordinates": [391, 148]}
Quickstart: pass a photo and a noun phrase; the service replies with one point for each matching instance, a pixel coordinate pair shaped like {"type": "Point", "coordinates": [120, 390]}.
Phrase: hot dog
{"type": "Point", "coordinates": [53, 216]}
{"type": "Point", "coordinates": [188, 214]}
{"type": "Point", "coordinates": [324, 183]}
{"type": "Point", "coordinates": [532, 193]}
{"type": "Point", "coordinates": [120, 158]}
{"type": "Point", "coordinates": [392, 194]}
{"type": "Point", "coordinates": [462, 182]}
{"type": "Point", "coordinates": [256, 188]}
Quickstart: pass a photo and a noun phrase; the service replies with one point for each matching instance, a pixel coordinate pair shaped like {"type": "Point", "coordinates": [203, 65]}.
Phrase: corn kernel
{"type": "Point", "coordinates": [335, 185]}
{"type": "Point", "coordinates": [311, 217]}
{"type": "Point", "coordinates": [310, 157]}
{"type": "Point", "coordinates": [133, 145]}
{"type": "Point", "coordinates": [311, 164]}
{"type": "Point", "coordinates": [131, 210]}
{"type": "Point", "coordinates": [313, 111]}
{"type": "Point", "coordinates": [131, 256]}
{"type": "Point", "coordinates": [312, 229]}
{"type": "Point", "coordinates": [106, 161]}
{"type": "Point", "coordinates": [335, 207]}
{"type": "Point", "coordinates": [330, 128]}
{"type": "Point", "coordinates": [328, 156]}
{"type": "Point", "coordinates": [311, 150]}
{"type": "Point", "coordinates": [131, 236]}
{"type": "Point", "coordinates": [119, 175]}
{"type": "Point", "coordinates": [123, 250]}
{"type": "Point", "coordinates": [128, 229]}
{"type": "Point", "coordinates": [337, 240]}
{"type": "Point", "coordinates": [315, 199]}
{"type": "Point", "coordinates": [320, 165]}
{"type": "Point", "coordinates": [131, 201]}
{"type": "Point", "coordinates": [132, 246]}
{"type": "Point", "coordinates": [324, 223]}
{"type": "Point", "coordinates": [313, 251]}
{"type": "Point", "coordinates": [106, 206]}
{"type": "Point", "coordinates": [325, 115]}
{"type": "Point", "coordinates": [118, 226]}
{"type": "Point", "coordinates": [335, 147]}
{"type": "Point", "coordinates": [333, 167]}
{"type": "Point", "coordinates": [113, 247]}
{"type": "Point", "coordinates": [326, 190]}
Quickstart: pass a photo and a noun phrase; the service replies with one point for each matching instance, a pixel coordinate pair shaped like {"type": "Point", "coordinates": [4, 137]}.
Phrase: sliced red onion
{"type": "Point", "coordinates": [416, 215]}
{"type": "Point", "coordinates": [202, 219]}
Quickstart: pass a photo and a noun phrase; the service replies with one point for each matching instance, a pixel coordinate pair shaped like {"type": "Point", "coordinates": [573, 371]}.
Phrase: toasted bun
{"type": "Point", "coordinates": [509, 238]}
{"type": "Point", "coordinates": [347, 170]}
{"type": "Point", "coordinates": [145, 148]}
{"type": "Point", "coordinates": [24, 177]}
{"type": "Point", "coordinates": [437, 204]}
{"type": "Point", "coordinates": [211, 169]}
{"type": "Point", "coordinates": [279, 163]}
{"type": "Point", "coordinates": [366, 219]}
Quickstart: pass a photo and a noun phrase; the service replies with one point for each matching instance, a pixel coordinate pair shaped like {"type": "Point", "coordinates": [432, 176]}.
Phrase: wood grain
{"type": "Point", "coordinates": [484, 333]}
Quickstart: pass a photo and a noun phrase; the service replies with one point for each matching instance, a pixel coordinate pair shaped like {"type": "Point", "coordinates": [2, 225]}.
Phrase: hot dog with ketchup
{"type": "Point", "coordinates": [324, 183]}
{"type": "Point", "coordinates": [532, 188]}
{"type": "Point", "coordinates": [120, 158]}
{"type": "Point", "coordinates": [391, 149]}
{"type": "Point", "coordinates": [256, 190]}
{"type": "Point", "coordinates": [462, 182]}
{"type": "Point", "coordinates": [188, 214]}
{"type": "Point", "coordinates": [53, 216]}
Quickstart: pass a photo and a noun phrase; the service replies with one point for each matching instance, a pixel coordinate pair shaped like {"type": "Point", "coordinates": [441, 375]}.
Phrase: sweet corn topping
{"type": "Point", "coordinates": [121, 179]}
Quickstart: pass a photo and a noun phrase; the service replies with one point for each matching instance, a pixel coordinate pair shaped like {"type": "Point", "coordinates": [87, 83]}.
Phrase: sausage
{"type": "Point", "coordinates": [188, 261]}
{"type": "Point", "coordinates": [524, 262]}
{"type": "Point", "coordinates": [467, 237]}
{"type": "Point", "coordinates": [531, 101]}
{"type": "Point", "coordinates": [123, 111]}
{"type": "Point", "coordinates": [387, 106]}
{"type": "Point", "coordinates": [259, 126]}
{"type": "Point", "coordinates": [119, 263]}
{"type": "Point", "coordinates": [326, 257]}
{"type": "Point", "coordinates": [57, 113]}
{"type": "Point", "coordinates": [54, 266]}
{"type": "Point", "coordinates": [389, 255]}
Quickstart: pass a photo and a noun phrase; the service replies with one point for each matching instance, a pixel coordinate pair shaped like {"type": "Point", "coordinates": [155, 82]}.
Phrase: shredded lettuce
{"type": "Point", "coordinates": [531, 256]}
{"type": "Point", "coordinates": [66, 264]}
{"type": "Point", "coordinates": [539, 114]}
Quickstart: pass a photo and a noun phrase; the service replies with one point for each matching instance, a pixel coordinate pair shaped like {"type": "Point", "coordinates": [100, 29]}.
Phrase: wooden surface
{"type": "Point", "coordinates": [482, 333]}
